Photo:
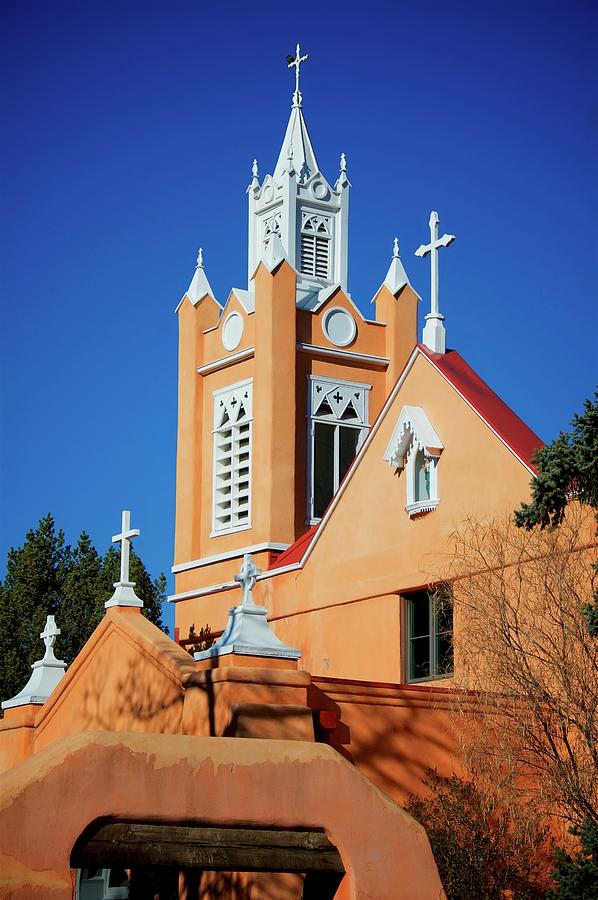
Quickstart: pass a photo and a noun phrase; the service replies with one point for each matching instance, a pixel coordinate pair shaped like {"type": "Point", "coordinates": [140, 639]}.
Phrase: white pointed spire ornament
{"type": "Point", "coordinates": [342, 180]}
{"type": "Point", "coordinates": [247, 631]}
{"type": "Point", "coordinates": [200, 286]}
{"type": "Point", "coordinates": [255, 183]}
{"type": "Point", "coordinates": [46, 674]}
{"type": "Point", "coordinates": [295, 62]}
{"type": "Point", "coordinates": [434, 336]}
{"type": "Point", "coordinates": [396, 277]}
{"type": "Point", "coordinates": [124, 593]}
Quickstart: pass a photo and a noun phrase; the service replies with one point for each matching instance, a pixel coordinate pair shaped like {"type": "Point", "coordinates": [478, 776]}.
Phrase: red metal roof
{"type": "Point", "coordinates": [513, 430]}
{"type": "Point", "coordinates": [500, 417]}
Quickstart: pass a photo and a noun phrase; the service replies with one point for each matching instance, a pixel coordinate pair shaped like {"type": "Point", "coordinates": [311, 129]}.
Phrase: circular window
{"type": "Point", "coordinates": [339, 327]}
{"type": "Point", "coordinates": [232, 331]}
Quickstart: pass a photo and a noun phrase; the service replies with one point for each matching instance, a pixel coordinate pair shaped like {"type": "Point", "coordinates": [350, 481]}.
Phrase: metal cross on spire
{"type": "Point", "coordinates": [124, 538]}
{"type": "Point", "coordinates": [246, 577]}
{"type": "Point", "coordinates": [434, 333]}
{"type": "Point", "coordinates": [295, 62]}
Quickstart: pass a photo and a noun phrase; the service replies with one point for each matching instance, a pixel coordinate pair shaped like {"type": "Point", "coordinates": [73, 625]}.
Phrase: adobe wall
{"type": "Point", "coordinates": [224, 781]}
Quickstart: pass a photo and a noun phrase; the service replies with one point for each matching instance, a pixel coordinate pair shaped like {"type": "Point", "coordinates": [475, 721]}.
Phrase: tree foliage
{"type": "Point", "coordinates": [567, 469]}
{"type": "Point", "coordinates": [577, 875]}
{"type": "Point", "coordinates": [484, 846]}
{"type": "Point", "coordinates": [48, 577]}
{"type": "Point", "coordinates": [522, 644]}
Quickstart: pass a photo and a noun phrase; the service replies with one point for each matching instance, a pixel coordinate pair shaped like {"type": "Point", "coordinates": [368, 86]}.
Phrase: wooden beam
{"type": "Point", "coordinates": [213, 849]}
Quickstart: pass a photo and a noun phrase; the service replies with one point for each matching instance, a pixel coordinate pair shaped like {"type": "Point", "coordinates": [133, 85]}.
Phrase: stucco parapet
{"type": "Point", "coordinates": [19, 717]}
{"type": "Point", "coordinates": [388, 694]}
{"type": "Point", "coordinates": [140, 633]}
{"type": "Point", "coordinates": [246, 675]}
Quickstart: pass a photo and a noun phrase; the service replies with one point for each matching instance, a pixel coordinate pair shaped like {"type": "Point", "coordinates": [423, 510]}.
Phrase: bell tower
{"type": "Point", "coordinates": [300, 208]}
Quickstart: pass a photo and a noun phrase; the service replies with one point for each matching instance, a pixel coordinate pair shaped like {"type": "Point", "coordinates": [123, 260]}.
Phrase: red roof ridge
{"type": "Point", "coordinates": [512, 430]}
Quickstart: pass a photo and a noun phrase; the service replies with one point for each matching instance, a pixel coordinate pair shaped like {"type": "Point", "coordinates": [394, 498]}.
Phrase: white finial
{"type": "Point", "coordinates": [246, 577]}
{"type": "Point", "coordinates": [395, 249]}
{"type": "Point", "coordinates": [46, 673]}
{"type": "Point", "coordinates": [295, 62]}
{"type": "Point", "coordinates": [48, 636]}
{"type": "Point", "coordinates": [343, 164]}
{"type": "Point", "coordinates": [255, 183]}
{"type": "Point", "coordinates": [124, 595]}
{"type": "Point", "coordinates": [434, 336]}
{"type": "Point", "coordinates": [290, 164]}
{"type": "Point", "coordinates": [199, 259]}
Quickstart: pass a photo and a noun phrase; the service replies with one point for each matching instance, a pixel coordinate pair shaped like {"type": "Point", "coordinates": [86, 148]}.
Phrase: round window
{"type": "Point", "coordinates": [232, 331]}
{"type": "Point", "coordinates": [339, 327]}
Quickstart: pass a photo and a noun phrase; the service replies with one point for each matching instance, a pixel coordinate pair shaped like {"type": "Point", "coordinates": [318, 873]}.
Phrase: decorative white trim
{"type": "Point", "coordinates": [420, 506]}
{"type": "Point", "coordinates": [230, 554]}
{"type": "Point", "coordinates": [350, 321]}
{"type": "Point", "coordinates": [224, 361]}
{"type": "Point", "coordinates": [229, 585]}
{"type": "Point", "coordinates": [232, 330]}
{"type": "Point", "coordinates": [232, 458]}
{"type": "Point", "coordinates": [412, 423]}
{"type": "Point", "coordinates": [381, 361]}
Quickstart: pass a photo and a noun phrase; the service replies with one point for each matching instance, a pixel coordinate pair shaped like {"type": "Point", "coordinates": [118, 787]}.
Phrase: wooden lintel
{"type": "Point", "coordinates": [213, 849]}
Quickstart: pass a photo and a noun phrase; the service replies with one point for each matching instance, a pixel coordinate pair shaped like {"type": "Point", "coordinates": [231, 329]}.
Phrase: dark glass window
{"type": "Point", "coordinates": [323, 466]}
{"type": "Point", "coordinates": [430, 634]}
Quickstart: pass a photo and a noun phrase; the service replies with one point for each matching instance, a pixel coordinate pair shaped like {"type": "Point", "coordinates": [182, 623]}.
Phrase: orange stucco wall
{"type": "Point", "coordinates": [224, 781]}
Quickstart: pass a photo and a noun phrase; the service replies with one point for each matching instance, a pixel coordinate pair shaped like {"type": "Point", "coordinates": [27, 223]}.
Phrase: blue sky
{"type": "Point", "coordinates": [130, 131]}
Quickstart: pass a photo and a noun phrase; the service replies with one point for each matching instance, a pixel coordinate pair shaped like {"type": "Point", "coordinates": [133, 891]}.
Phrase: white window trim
{"type": "Point", "coordinates": [305, 213]}
{"type": "Point", "coordinates": [218, 395]}
{"type": "Point", "coordinates": [363, 427]}
{"type": "Point", "coordinates": [435, 676]}
{"type": "Point", "coordinates": [414, 432]}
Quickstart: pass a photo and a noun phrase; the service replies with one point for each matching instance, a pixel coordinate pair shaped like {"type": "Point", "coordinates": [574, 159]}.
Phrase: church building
{"type": "Point", "coordinates": [325, 458]}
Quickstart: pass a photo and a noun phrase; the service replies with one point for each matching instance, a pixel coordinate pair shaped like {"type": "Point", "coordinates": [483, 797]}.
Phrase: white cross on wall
{"type": "Point", "coordinates": [246, 577]}
{"type": "Point", "coordinates": [124, 538]}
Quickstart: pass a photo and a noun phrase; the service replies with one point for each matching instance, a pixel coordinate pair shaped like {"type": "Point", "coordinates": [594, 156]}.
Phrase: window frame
{"type": "Point", "coordinates": [307, 215]}
{"type": "Point", "coordinates": [223, 394]}
{"type": "Point", "coordinates": [330, 385]}
{"type": "Point", "coordinates": [433, 596]}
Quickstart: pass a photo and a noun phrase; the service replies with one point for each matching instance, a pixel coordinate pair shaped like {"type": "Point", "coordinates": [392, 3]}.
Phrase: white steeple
{"type": "Point", "coordinates": [200, 286]}
{"type": "Point", "coordinates": [300, 207]}
{"type": "Point", "coordinates": [46, 674]}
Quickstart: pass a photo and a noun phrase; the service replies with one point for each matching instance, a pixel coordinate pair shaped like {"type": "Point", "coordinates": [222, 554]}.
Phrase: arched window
{"type": "Point", "coordinates": [416, 448]}
{"type": "Point", "coordinates": [316, 243]}
{"type": "Point", "coordinates": [338, 425]}
{"type": "Point", "coordinates": [231, 507]}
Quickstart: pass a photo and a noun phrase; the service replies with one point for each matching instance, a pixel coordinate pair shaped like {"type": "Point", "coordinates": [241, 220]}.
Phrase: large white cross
{"type": "Point", "coordinates": [246, 577]}
{"type": "Point", "coordinates": [432, 248]}
{"type": "Point", "coordinates": [124, 538]}
{"type": "Point", "coordinates": [49, 635]}
{"type": "Point", "coordinates": [295, 63]}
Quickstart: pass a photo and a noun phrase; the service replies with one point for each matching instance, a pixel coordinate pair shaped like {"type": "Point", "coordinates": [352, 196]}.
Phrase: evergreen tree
{"type": "Point", "coordinates": [567, 468]}
{"type": "Point", "coordinates": [46, 577]}
{"type": "Point", "coordinates": [577, 876]}
{"type": "Point", "coordinates": [32, 590]}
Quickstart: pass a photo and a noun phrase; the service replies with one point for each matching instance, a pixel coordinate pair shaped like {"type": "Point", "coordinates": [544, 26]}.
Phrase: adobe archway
{"type": "Point", "coordinates": [47, 802]}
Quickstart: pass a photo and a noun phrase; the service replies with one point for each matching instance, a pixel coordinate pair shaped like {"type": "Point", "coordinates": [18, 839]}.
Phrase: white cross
{"type": "Point", "coordinates": [247, 577]}
{"type": "Point", "coordinates": [49, 635]}
{"type": "Point", "coordinates": [432, 248]}
{"type": "Point", "coordinates": [125, 542]}
{"type": "Point", "coordinates": [295, 63]}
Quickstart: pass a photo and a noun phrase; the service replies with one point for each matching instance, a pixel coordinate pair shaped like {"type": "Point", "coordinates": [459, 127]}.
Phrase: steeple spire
{"type": "Point", "coordinates": [295, 62]}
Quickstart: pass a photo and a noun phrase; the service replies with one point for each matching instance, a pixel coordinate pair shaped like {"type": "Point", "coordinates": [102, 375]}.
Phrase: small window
{"type": "Point", "coordinates": [338, 425]}
{"type": "Point", "coordinates": [429, 634]}
{"type": "Point", "coordinates": [232, 458]}
{"type": "Point", "coordinates": [316, 246]}
{"type": "Point", "coordinates": [415, 448]}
